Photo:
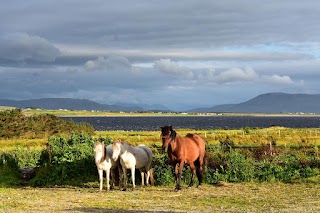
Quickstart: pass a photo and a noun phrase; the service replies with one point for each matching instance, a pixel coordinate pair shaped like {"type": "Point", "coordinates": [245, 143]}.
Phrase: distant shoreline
{"type": "Point", "coordinates": [95, 113]}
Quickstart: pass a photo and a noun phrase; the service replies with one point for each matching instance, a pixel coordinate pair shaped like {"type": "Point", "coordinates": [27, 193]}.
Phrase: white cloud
{"type": "Point", "coordinates": [171, 67]}
{"type": "Point", "coordinates": [277, 79]}
{"type": "Point", "coordinates": [236, 74]}
{"type": "Point", "coordinates": [22, 46]}
{"type": "Point", "coordinates": [112, 63]}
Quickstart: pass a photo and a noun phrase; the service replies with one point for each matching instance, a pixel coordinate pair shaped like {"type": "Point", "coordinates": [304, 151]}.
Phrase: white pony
{"type": "Point", "coordinates": [131, 157]}
{"type": "Point", "coordinates": [104, 162]}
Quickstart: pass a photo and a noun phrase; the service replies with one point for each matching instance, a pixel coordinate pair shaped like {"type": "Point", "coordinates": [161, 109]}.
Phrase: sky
{"type": "Point", "coordinates": [180, 54]}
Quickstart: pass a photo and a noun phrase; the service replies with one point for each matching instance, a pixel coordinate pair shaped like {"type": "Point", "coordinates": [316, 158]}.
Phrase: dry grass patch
{"type": "Point", "coordinates": [248, 197]}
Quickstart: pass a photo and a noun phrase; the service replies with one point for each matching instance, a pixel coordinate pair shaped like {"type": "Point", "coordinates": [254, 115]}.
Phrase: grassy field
{"type": "Point", "coordinates": [301, 196]}
{"type": "Point", "coordinates": [285, 137]}
{"type": "Point", "coordinates": [224, 197]}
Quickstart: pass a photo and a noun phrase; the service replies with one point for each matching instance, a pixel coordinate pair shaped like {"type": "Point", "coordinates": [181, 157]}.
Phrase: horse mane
{"type": "Point", "coordinates": [190, 135]}
{"type": "Point", "coordinates": [173, 135]}
{"type": "Point", "coordinates": [126, 145]}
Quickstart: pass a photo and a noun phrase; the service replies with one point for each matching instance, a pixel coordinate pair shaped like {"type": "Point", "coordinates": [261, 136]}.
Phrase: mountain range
{"type": "Point", "coordinates": [271, 103]}
{"type": "Point", "coordinates": [67, 103]}
{"type": "Point", "coordinates": [265, 103]}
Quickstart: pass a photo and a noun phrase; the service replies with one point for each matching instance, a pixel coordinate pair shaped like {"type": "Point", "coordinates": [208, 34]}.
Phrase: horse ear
{"type": "Point", "coordinates": [161, 127]}
{"type": "Point", "coordinates": [170, 127]}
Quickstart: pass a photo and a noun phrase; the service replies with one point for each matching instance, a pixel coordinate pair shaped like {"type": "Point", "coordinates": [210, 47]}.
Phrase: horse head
{"type": "Point", "coordinates": [99, 151]}
{"type": "Point", "coordinates": [168, 135]}
{"type": "Point", "coordinates": [116, 149]}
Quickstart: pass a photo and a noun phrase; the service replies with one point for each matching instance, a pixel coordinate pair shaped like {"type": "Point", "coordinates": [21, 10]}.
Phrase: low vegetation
{"type": "Point", "coordinates": [14, 124]}
{"type": "Point", "coordinates": [264, 161]}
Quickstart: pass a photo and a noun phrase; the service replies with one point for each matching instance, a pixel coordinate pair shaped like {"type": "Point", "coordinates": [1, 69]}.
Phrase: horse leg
{"type": "Point", "coordinates": [113, 176]}
{"type": "Point", "coordinates": [100, 178]}
{"type": "Point", "coordinates": [120, 171]}
{"type": "Point", "coordinates": [125, 178]}
{"type": "Point", "coordinates": [178, 186]}
{"type": "Point", "coordinates": [108, 179]}
{"type": "Point", "coordinates": [176, 171]}
{"type": "Point", "coordinates": [132, 177]}
{"type": "Point", "coordinates": [199, 171]}
{"type": "Point", "coordinates": [147, 169]}
{"type": "Point", "coordinates": [142, 178]}
{"type": "Point", "coordinates": [193, 171]}
{"type": "Point", "coordinates": [148, 177]}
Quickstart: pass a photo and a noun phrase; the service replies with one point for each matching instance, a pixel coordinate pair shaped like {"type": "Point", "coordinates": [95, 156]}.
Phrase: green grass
{"type": "Point", "coordinates": [225, 197]}
{"type": "Point", "coordinates": [288, 137]}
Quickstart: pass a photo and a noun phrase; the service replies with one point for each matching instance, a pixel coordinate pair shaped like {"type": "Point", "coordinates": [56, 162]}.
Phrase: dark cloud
{"type": "Point", "coordinates": [23, 47]}
{"type": "Point", "coordinates": [158, 51]}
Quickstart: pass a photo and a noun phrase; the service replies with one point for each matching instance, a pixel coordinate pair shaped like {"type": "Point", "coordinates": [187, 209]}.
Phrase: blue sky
{"type": "Point", "coordinates": [199, 54]}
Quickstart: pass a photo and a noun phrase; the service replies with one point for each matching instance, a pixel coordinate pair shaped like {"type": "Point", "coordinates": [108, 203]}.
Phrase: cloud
{"type": "Point", "coordinates": [231, 75]}
{"type": "Point", "coordinates": [23, 47]}
{"type": "Point", "coordinates": [112, 63]}
{"type": "Point", "coordinates": [277, 79]}
{"type": "Point", "coordinates": [170, 67]}
{"type": "Point", "coordinates": [236, 74]}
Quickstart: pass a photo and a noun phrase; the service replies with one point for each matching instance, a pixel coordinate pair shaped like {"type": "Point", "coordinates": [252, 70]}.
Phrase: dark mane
{"type": "Point", "coordinates": [173, 135]}
{"type": "Point", "coordinates": [189, 135]}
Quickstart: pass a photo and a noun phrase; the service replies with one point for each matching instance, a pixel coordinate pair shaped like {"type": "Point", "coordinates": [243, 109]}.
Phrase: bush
{"type": "Point", "coordinates": [162, 170]}
{"type": "Point", "coordinates": [66, 161]}
{"type": "Point", "coordinates": [25, 157]}
{"type": "Point", "coordinates": [9, 171]}
{"type": "Point", "coordinates": [14, 124]}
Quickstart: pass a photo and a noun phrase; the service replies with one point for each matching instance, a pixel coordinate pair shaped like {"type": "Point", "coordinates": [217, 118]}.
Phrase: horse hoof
{"type": "Point", "coordinates": [177, 189]}
{"type": "Point", "coordinates": [123, 190]}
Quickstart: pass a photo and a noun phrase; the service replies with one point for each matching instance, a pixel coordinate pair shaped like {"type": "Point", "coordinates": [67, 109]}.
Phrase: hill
{"type": "Point", "coordinates": [14, 124]}
{"type": "Point", "coordinates": [66, 103]}
{"type": "Point", "coordinates": [271, 103]}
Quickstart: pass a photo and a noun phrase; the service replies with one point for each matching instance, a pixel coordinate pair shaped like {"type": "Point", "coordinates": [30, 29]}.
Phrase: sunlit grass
{"type": "Point", "coordinates": [11, 144]}
{"type": "Point", "coordinates": [254, 137]}
{"type": "Point", "coordinates": [285, 137]}
{"type": "Point", "coordinates": [225, 197]}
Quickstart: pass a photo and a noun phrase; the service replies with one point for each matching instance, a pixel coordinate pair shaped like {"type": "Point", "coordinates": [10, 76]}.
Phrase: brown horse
{"type": "Point", "coordinates": [189, 149]}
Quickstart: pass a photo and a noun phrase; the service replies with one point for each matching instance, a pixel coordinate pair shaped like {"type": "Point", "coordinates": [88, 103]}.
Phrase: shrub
{"type": "Point", "coordinates": [14, 124]}
{"type": "Point", "coordinates": [162, 170]}
{"type": "Point", "coordinates": [9, 171]}
{"type": "Point", "coordinates": [66, 161]}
